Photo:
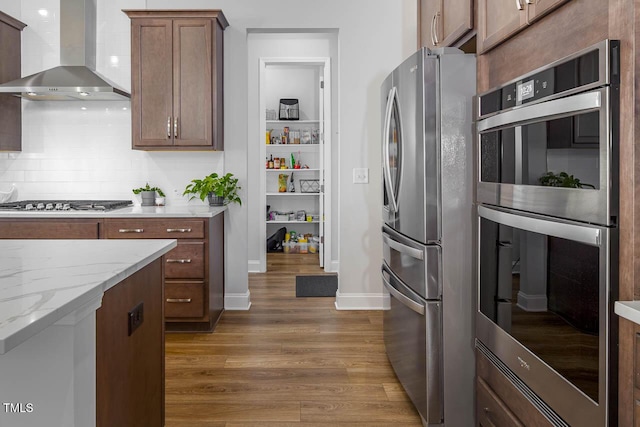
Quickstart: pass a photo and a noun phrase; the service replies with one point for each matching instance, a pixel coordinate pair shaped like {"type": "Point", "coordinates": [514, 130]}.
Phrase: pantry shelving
{"type": "Point", "coordinates": [298, 144]}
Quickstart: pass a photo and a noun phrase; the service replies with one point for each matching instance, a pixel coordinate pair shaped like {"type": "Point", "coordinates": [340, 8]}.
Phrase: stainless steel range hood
{"type": "Point", "coordinates": [75, 78]}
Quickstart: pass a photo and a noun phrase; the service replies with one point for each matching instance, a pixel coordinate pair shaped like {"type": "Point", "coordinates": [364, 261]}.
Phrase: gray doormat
{"type": "Point", "coordinates": [317, 286]}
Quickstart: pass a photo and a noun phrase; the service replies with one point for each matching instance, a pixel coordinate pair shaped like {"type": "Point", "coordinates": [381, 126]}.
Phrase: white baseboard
{"type": "Point", "coordinates": [254, 266]}
{"type": "Point", "coordinates": [532, 303]}
{"type": "Point", "coordinates": [237, 301]}
{"type": "Point", "coordinates": [362, 301]}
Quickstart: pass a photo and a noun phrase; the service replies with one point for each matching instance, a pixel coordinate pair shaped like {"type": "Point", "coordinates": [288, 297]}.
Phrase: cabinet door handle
{"type": "Point", "coordinates": [131, 230]}
{"type": "Point", "coordinates": [178, 230]}
{"type": "Point", "coordinates": [169, 127]}
{"type": "Point", "coordinates": [519, 5]}
{"type": "Point", "coordinates": [180, 261]}
{"type": "Point", "coordinates": [179, 300]}
{"type": "Point", "coordinates": [435, 29]}
{"type": "Point", "coordinates": [175, 127]}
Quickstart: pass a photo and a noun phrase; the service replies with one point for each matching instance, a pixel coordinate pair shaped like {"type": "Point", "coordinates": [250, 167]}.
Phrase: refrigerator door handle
{"type": "Point", "coordinates": [393, 94]}
{"type": "Point", "coordinates": [407, 250]}
{"type": "Point", "coordinates": [406, 301]}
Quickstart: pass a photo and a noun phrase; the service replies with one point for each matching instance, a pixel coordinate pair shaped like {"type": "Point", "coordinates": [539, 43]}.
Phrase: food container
{"type": "Point", "coordinates": [309, 185]}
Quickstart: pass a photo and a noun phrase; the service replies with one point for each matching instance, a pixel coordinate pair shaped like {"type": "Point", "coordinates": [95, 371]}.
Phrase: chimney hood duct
{"type": "Point", "coordinates": [75, 78]}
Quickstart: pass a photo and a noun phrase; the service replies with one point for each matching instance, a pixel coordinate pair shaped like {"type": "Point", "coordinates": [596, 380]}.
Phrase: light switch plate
{"type": "Point", "coordinates": [360, 175]}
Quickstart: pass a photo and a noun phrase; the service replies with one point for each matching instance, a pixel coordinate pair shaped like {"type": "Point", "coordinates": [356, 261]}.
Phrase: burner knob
{"type": "Point", "coordinates": [40, 206]}
{"type": "Point", "coordinates": [29, 207]}
{"type": "Point", "coordinates": [58, 206]}
{"type": "Point", "coordinates": [49, 206]}
{"type": "Point", "coordinates": [66, 207]}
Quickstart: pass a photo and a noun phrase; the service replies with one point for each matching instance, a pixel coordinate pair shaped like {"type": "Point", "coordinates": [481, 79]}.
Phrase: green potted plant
{"type": "Point", "coordinates": [220, 190]}
{"type": "Point", "coordinates": [148, 194]}
{"type": "Point", "coordinates": [562, 179]}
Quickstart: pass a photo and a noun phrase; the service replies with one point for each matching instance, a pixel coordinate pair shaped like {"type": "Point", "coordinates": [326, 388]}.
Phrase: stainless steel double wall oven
{"type": "Point", "coordinates": [547, 252]}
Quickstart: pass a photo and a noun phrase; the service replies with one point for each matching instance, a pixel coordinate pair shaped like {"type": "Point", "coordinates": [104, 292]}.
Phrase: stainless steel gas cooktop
{"type": "Point", "coordinates": [64, 205]}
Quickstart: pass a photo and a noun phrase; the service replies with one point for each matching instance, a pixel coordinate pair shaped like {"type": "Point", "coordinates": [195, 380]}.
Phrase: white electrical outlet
{"type": "Point", "coordinates": [360, 175]}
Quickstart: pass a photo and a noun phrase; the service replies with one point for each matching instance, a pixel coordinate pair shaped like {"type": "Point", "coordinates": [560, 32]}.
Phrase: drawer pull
{"type": "Point", "coordinates": [178, 230]}
{"type": "Point", "coordinates": [179, 300]}
{"type": "Point", "coordinates": [180, 261]}
{"type": "Point", "coordinates": [131, 230]}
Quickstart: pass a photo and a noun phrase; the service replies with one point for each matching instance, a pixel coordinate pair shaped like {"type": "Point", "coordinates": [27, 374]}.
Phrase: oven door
{"type": "Point", "coordinates": [554, 158]}
{"type": "Point", "coordinates": [543, 307]}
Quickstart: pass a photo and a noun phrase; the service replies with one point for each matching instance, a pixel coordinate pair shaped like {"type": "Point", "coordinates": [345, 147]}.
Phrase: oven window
{"type": "Point", "coordinates": [563, 152]}
{"type": "Point", "coordinates": [543, 291]}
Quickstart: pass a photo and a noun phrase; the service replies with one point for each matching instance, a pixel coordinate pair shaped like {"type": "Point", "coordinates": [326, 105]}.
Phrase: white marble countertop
{"type": "Point", "coordinates": [630, 310]}
{"type": "Point", "coordinates": [196, 211]}
{"type": "Point", "coordinates": [42, 281]}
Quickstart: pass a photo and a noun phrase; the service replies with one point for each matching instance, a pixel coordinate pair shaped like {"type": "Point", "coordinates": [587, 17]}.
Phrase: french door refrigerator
{"type": "Point", "coordinates": [427, 232]}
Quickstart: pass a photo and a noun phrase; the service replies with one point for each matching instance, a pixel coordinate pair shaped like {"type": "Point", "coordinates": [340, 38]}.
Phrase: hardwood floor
{"type": "Point", "coordinates": [286, 362]}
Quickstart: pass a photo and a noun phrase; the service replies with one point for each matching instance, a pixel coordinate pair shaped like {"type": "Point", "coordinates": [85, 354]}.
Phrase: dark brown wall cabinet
{"type": "Point", "coordinates": [443, 22]}
{"type": "Point", "coordinates": [500, 19]}
{"type": "Point", "coordinates": [176, 79]}
{"type": "Point", "coordinates": [10, 106]}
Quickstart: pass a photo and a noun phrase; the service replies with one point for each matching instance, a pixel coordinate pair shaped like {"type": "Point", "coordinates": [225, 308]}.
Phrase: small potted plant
{"type": "Point", "coordinates": [148, 194]}
{"type": "Point", "coordinates": [220, 190]}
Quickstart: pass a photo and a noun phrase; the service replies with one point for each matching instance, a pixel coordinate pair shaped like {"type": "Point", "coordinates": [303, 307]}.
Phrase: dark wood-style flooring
{"type": "Point", "coordinates": [286, 362]}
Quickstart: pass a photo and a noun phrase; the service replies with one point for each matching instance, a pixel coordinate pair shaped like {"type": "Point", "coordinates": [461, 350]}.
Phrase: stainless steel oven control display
{"type": "Point", "coordinates": [554, 148]}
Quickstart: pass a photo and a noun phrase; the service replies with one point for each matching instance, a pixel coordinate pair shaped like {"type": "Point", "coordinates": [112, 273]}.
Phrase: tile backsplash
{"type": "Point", "coordinates": [82, 149]}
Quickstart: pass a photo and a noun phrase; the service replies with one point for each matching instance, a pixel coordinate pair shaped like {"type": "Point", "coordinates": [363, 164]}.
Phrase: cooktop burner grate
{"type": "Point", "coordinates": [65, 205]}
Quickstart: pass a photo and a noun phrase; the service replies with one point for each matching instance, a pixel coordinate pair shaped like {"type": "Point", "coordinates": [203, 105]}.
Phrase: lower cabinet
{"type": "Point", "coordinates": [130, 354]}
{"type": "Point", "coordinates": [498, 400]}
{"type": "Point", "coordinates": [194, 270]}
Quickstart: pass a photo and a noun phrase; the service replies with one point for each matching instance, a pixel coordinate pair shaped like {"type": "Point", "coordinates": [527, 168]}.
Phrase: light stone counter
{"type": "Point", "coordinates": [196, 211]}
{"type": "Point", "coordinates": [49, 293]}
{"type": "Point", "coordinates": [630, 310]}
{"type": "Point", "coordinates": [42, 281]}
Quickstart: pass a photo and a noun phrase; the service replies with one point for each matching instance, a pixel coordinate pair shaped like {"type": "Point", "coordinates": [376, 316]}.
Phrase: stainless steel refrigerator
{"type": "Point", "coordinates": [427, 232]}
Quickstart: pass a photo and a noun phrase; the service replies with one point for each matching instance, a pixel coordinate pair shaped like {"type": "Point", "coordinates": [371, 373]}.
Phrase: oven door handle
{"type": "Point", "coordinates": [579, 233]}
{"type": "Point", "coordinates": [405, 300]}
{"type": "Point", "coordinates": [588, 101]}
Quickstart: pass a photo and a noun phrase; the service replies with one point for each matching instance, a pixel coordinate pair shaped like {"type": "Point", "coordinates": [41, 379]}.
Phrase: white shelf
{"type": "Point", "coordinates": [293, 194]}
{"type": "Point", "coordinates": [292, 121]}
{"type": "Point", "coordinates": [294, 170]}
{"type": "Point", "coordinates": [292, 222]}
{"type": "Point", "coordinates": [292, 147]}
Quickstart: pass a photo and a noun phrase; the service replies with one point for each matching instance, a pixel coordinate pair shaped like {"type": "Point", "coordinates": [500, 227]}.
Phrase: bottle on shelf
{"type": "Point", "coordinates": [292, 187]}
{"type": "Point", "coordinates": [276, 163]}
{"type": "Point", "coordinates": [270, 166]}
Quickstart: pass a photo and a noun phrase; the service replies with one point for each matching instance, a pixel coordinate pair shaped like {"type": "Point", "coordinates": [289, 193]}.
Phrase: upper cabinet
{"type": "Point", "coordinates": [500, 19]}
{"type": "Point", "coordinates": [444, 22]}
{"type": "Point", "coordinates": [10, 106]}
{"type": "Point", "coordinates": [176, 79]}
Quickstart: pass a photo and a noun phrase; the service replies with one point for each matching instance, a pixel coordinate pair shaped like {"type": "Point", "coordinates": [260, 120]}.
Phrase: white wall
{"type": "Point", "coordinates": [70, 152]}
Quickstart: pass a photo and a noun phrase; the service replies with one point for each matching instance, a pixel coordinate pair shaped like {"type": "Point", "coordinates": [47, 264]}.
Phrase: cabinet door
{"type": "Point", "coordinates": [457, 20]}
{"type": "Point", "coordinates": [151, 84]}
{"type": "Point", "coordinates": [10, 106]}
{"type": "Point", "coordinates": [429, 12]}
{"type": "Point", "coordinates": [497, 20]}
{"type": "Point", "coordinates": [192, 82]}
{"type": "Point", "coordinates": [538, 8]}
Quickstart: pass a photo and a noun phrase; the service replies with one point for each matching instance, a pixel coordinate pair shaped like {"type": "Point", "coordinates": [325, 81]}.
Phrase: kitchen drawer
{"type": "Point", "coordinates": [183, 299]}
{"type": "Point", "coordinates": [508, 394]}
{"type": "Point", "coordinates": [490, 410]}
{"type": "Point", "coordinates": [48, 229]}
{"type": "Point", "coordinates": [173, 228]}
{"type": "Point", "coordinates": [185, 261]}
